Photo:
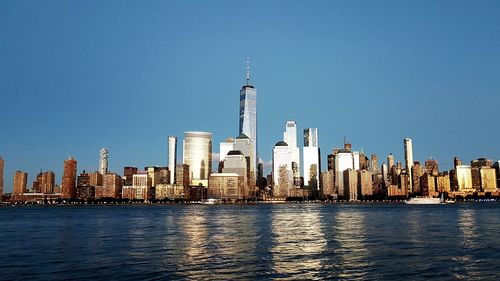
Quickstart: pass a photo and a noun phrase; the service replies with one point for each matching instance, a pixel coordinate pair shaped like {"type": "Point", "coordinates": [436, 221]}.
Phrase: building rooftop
{"type": "Point", "coordinates": [242, 136]}
{"type": "Point", "coordinates": [281, 143]}
{"type": "Point", "coordinates": [234, 152]}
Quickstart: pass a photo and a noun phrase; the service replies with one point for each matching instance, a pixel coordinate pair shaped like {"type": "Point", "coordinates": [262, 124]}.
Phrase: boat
{"type": "Point", "coordinates": [210, 201]}
{"type": "Point", "coordinates": [424, 201]}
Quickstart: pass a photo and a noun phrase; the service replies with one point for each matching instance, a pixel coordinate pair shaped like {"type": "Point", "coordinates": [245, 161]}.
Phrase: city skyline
{"type": "Point", "coordinates": [434, 81]}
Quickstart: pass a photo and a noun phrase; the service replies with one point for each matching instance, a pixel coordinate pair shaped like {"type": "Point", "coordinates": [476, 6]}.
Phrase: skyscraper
{"type": "Point", "coordinates": [343, 161]}
{"type": "Point", "coordinates": [409, 162]}
{"type": "Point", "coordinates": [1, 178]}
{"type": "Point", "coordinates": [197, 153]}
{"type": "Point", "coordinates": [282, 169]}
{"type": "Point", "coordinates": [311, 158]}
{"type": "Point", "coordinates": [20, 181]}
{"type": "Point", "coordinates": [172, 157]}
{"type": "Point", "coordinates": [290, 138]}
{"type": "Point", "coordinates": [68, 184]}
{"type": "Point", "coordinates": [248, 114]}
{"type": "Point", "coordinates": [390, 161]}
{"type": "Point", "coordinates": [103, 161]}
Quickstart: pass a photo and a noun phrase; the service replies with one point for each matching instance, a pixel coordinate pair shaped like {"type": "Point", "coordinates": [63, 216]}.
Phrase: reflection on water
{"type": "Point", "coordinates": [298, 242]}
{"type": "Point", "coordinates": [258, 242]}
{"type": "Point", "coordinates": [468, 242]}
{"type": "Point", "coordinates": [352, 251]}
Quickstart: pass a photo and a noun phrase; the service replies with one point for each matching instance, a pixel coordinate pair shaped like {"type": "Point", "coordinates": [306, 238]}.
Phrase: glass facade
{"type": "Point", "coordinates": [198, 155]}
{"type": "Point", "coordinates": [248, 116]}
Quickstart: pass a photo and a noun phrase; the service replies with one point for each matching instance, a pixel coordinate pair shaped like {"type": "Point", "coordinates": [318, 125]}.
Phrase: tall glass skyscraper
{"type": "Point", "coordinates": [311, 158]}
{"type": "Point", "coordinates": [248, 113]}
{"type": "Point", "coordinates": [198, 155]}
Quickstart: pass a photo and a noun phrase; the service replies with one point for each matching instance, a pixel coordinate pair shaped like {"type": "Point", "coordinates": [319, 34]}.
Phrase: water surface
{"type": "Point", "coordinates": [227, 242]}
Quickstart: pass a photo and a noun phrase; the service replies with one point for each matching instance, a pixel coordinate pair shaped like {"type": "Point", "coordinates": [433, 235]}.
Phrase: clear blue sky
{"type": "Point", "coordinates": [79, 75]}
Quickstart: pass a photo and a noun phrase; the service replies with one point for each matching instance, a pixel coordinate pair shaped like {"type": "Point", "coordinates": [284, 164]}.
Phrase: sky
{"type": "Point", "coordinates": [76, 76]}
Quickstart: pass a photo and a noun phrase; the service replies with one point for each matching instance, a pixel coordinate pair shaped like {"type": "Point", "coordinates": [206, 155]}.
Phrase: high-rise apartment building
{"type": "Point", "coordinates": [172, 157]}
{"type": "Point", "coordinates": [128, 173]}
{"type": "Point", "coordinates": [409, 162]}
{"type": "Point", "coordinates": [20, 182]}
{"type": "Point", "coordinates": [68, 183]}
{"type": "Point", "coordinates": [312, 167]}
{"type": "Point", "coordinates": [198, 155]}
{"type": "Point", "coordinates": [103, 161]}
{"type": "Point", "coordinates": [182, 175]}
{"type": "Point", "coordinates": [248, 114]}
{"type": "Point", "coordinates": [45, 182]}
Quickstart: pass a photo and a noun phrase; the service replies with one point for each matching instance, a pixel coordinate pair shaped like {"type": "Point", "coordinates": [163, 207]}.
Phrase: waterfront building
{"type": "Point", "coordinates": [343, 161]}
{"type": "Point", "coordinates": [248, 114]}
{"type": "Point", "coordinates": [290, 138]}
{"type": "Point", "coordinates": [128, 174]}
{"type": "Point", "coordinates": [111, 187]}
{"type": "Point", "coordinates": [95, 179]}
{"type": "Point", "coordinates": [1, 177]}
{"type": "Point", "coordinates": [283, 157]}
{"type": "Point", "coordinates": [365, 182]}
{"type": "Point", "coordinates": [488, 179]}
{"type": "Point", "coordinates": [432, 167]}
{"type": "Point", "coordinates": [496, 165]}
{"type": "Point", "coordinates": [182, 175]}
{"type": "Point", "coordinates": [197, 153]}
{"type": "Point", "coordinates": [408, 147]}
{"type": "Point", "coordinates": [103, 161]}
{"type": "Point", "coordinates": [84, 189]}
{"type": "Point", "coordinates": [464, 178]}
{"type": "Point", "coordinates": [164, 173]}
{"type": "Point", "coordinates": [245, 145]}
{"type": "Point", "coordinates": [226, 186]}
{"type": "Point", "coordinates": [484, 176]}
{"type": "Point", "coordinates": [153, 174]}
{"type": "Point", "coordinates": [20, 183]}
{"type": "Point", "coordinates": [443, 183]}
{"type": "Point", "coordinates": [328, 184]}
{"type": "Point", "coordinates": [140, 188]}
{"type": "Point", "coordinates": [68, 183]}
{"type": "Point", "coordinates": [46, 182]}
{"type": "Point", "coordinates": [476, 178]}
{"type": "Point", "coordinates": [236, 162]}
{"type": "Point", "coordinates": [311, 157]}
{"type": "Point", "coordinates": [428, 185]}
{"type": "Point", "coordinates": [350, 178]}
{"type": "Point", "coordinates": [417, 171]}
{"type": "Point", "coordinates": [170, 191]}
{"type": "Point", "coordinates": [172, 157]}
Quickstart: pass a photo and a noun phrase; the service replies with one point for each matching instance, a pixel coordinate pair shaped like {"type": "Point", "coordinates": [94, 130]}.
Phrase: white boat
{"type": "Point", "coordinates": [210, 201]}
{"type": "Point", "coordinates": [424, 200]}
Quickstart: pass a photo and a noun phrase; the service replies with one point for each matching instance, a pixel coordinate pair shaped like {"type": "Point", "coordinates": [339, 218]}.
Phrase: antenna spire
{"type": "Point", "coordinates": [248, 71]}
